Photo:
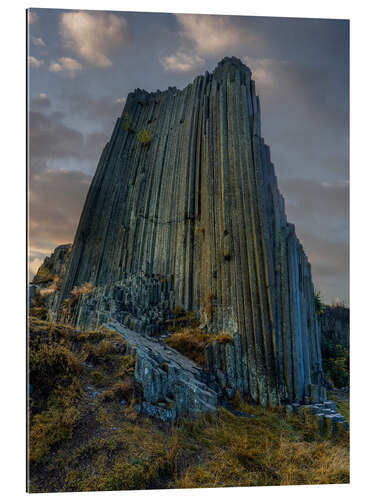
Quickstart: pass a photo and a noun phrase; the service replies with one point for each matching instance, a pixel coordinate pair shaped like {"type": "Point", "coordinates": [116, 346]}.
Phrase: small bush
{"type": "Point", "coordinates": [39, 312]}
{"type": "Point", "coordinates": [319, 306]}
{"type": "Point", "coordinates": [127, 366]}
{"type": "Point", "coordinates": [144, 137]}
{"type": "Point", "coordinates": [94, 336]}
{"type": "Point", "coordinates": [52, 364]}
{"type": "Point", "coordinates": [84, 288]}
{"type": "Point", "coordinates": [100, 353]}
{"type": "Point", "coordinates": [120, 391]}
{"type": "Point", "coordinates": [50, 428]}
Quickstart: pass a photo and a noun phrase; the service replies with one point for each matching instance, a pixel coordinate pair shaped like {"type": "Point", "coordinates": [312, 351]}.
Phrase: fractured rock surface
{"type": "Point", "coordinates": [172, 384]}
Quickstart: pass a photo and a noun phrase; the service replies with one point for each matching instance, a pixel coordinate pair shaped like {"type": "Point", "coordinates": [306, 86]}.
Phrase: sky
{"type": "Point", "coordinates": [82, 65]}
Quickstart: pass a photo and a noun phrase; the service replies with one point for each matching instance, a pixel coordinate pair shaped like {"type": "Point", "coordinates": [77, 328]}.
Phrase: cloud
{"type": "Point", "coordinates": [34, 264]}
{"type": "Point", "coordinates": [92, 36]}
{"type": "Point", "coordinates": [303, 119]}
{"type": "Point", "coordinates": [38, 42]}
{"type": "Point", "coordinates": [320, 212]}
{"type": "Point", "coordinates": [66, 65]}
{"type": "Point", "coordinates": [34, 62]}
{"type": "Point", "coordinates": [101, 110]}
{"type": "Point", "coordinates": [55, 145]}
{"type": "Point", "coordinates": [32, 18]}
{"type": "Point", "coordinates": [51, 139]}
{"type": "Point", "coordinates": [42, 101]}
{"type": "Point", "coordinates": [181, 62]}
{"type": "Point", "coordinates": [55, 205]}
{"type": "Point", "coordinates": [211, 34]}
{"type": "Point", "coordinates": [262, 70]}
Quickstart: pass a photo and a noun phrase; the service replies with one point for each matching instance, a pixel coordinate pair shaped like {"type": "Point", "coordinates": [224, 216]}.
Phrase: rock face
{"type": "Point", "coordinates": [172, 384]}
{"type": "Point", "coordinates": [54, 265]}
{"type": "Point", "coordinates": [184, 211]}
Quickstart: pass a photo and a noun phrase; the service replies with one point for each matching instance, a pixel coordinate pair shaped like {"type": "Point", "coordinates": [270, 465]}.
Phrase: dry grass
{"type": "Point", "coordinates": [84, 288]}
{"type": "Point", "coordinates": [191, 341]}
{"type": "Point", "coordinates": [83, 437]}
{"type": "Point", "coordinates": [341, 398]}
{"type": "Point", "coordinates": [263, 451]}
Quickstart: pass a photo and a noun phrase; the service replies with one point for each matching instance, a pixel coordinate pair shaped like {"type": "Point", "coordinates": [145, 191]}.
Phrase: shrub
{"type": "Point", "coordinates": [337, 367]}
{"type": "Point", "coordinates": [100, 353]}
{"type": "Point", "coordinates": [50, 428]}
{"type": "Point", "coordinates": [127, 366]}
{"type": "Point", "coordinates": [190, 342]}
{"type": "Point", "coordinates": [144, 137]}
{"type": "Point", "coordinates": [127, 123]}
{"type": "Point", "coordinates": [39, 312]}
{"type": "Point", "coordinates": [84, 288]}
{"type": "Point", "coordinates": [51, 364]}
{"type": "Point", "coordinates": [120, 391]}
{"type": "Point", "coordinates": [319, 306]}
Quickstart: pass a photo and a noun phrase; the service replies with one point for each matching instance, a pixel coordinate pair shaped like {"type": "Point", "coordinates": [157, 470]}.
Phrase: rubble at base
{"type": "Point", "coordinates": [324, 415]}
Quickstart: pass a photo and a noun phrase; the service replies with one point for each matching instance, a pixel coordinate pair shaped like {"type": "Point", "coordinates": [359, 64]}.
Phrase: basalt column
{"type": "Point", "coordinates": [185, 193]}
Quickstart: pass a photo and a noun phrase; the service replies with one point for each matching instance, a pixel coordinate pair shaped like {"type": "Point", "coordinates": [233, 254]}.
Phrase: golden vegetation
{"type": "Point", "coordinates": [188, 338]}
{"type": "Point", "coordinates": [190, 342]}
{"type": "Point", "coordinates": [85, 433]}
{"type": "Point", "coordinates": [263, 451]}
{"type": "Point", "coordinates": [75, 294]}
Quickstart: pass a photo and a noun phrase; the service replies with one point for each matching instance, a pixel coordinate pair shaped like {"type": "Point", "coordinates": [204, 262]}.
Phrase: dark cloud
{"type": "Point", "coordinates": [52, 142]}
{"type": "Point", "coordinates": [55, 204]}
{"type": "Point", "coordinates": [301, 69]}
{"type": "Point", "coordinates": [320, 214]}
{"type": "Point", "coordinates": [50, 139]}
{"type": "Point", "coordinates": [307, 130]}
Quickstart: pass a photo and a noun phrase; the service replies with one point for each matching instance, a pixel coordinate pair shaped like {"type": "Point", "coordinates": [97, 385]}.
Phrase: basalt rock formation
{"type": "Point", "coordinates": [184, 212]}
{"type": "Point", "coordinates": [53, 266]}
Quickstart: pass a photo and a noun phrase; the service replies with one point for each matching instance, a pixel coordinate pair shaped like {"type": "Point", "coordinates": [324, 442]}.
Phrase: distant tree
{"type": "Point", "coordinates": [319, 306]}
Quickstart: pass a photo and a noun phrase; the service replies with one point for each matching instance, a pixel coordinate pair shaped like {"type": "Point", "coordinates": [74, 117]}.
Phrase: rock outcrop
{"type": "Point", "coordinates": [172, 385]}
{"type": "Point", "coordinates": [184, 211]}
{"type": "Point", "coordinates": [53, 266]}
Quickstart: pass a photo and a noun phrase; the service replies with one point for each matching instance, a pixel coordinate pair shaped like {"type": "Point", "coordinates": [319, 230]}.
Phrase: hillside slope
{"type": "Point", "coordinates": [85, 433]}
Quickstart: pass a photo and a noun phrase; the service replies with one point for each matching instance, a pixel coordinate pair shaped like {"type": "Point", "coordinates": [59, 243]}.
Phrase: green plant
{"type": "Point", "coordinates": [319, 306]}
{"type": "Point", "coordinates": [127, 124]}
{"type": "Point", "coordinates": [144, 137]}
